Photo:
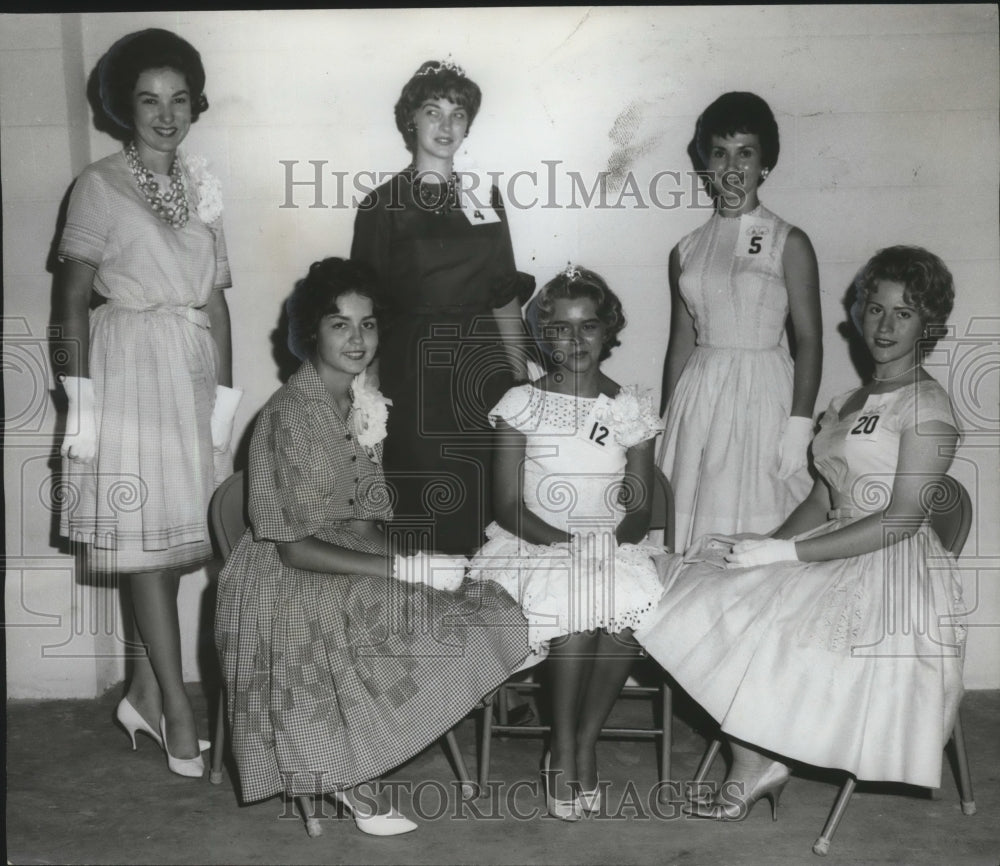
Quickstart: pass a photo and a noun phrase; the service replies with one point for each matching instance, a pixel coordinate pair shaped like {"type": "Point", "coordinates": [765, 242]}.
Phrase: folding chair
{"type": "Point", "coordinates": [662, 518]}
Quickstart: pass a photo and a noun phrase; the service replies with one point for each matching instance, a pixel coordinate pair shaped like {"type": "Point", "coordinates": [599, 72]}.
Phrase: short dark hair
{"type": "Point", "coordinates": [571, 284]}
{"type": "Point", "coordinates": [123, 63]}
{"type": "Point", "coordinates": [928, 284]}
{"type": "Point", "coordinates": [318, 294]}
{"type": "Point", "coordinates": [735, 112]}
{"type": "Point", "coordinates": [435, 80]}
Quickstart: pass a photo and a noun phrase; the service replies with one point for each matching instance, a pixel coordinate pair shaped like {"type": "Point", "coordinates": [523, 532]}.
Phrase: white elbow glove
{"type": "Point", "coordinates": [80, 441]}
{"type": "Point", "coordinates": [436, 570]}
{"type": "Point", "coordinates": [227, 400]}
{"type": "Point", "coordinates": [762, 551]}
{"type": "Point", "coordinates": [793, 452]}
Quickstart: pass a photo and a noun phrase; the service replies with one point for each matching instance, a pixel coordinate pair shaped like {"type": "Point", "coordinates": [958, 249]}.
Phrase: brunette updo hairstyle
{"type": "Point", "coordinates": [317, 295]}
{"type": "Point", "coordinates": [738, 112]}
{"type": "Point", "coordinates": [435, 80]}
{"type": "Point", "coordinates": [571, 284]}
{"type": "Point", "coordinates": [120, 68]}
{"type": "Point", "coordinates": [928, 283]}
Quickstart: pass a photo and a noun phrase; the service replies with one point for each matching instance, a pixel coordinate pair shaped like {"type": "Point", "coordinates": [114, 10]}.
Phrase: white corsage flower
{"type": "Point", "coordinates": [631, 416]}
{"type": "Point", "coordinates": [370, 409]}
{"type": "Point", "coordinates": [207, 188]}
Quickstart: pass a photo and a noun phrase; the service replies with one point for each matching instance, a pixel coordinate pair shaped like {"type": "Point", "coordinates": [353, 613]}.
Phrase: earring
{"type": "Point", "coordinates": [411, 127]}
{"type": "Point", "coordinates": [764, 172]}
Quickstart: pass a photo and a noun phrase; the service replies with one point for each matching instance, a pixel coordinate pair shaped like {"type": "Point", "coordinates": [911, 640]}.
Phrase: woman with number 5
{"type": "Point", "coordinates": [838, 641]}
{"type": "Point", "coordinates": [738, 410]}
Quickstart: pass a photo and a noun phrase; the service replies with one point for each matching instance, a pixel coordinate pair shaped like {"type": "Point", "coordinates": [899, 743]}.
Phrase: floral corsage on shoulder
{"type": "Point", "coordinates": [206, 187]}
{"type": "Point", "coordinates": [370, 412]}
{"type": "Point", "coordinates": [631, 416]}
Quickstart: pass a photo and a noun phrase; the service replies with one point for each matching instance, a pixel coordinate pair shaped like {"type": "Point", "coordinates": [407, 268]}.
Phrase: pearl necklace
{"type": "Point", "coordinates": [897, 376]}
{"type": "Point", "coordinates": [170, 206]}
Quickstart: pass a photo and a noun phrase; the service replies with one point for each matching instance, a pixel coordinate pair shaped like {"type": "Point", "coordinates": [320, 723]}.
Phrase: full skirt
{"type": "Point", "coordinates": [335, 679]}
{"type": "Point", "coordinates": [853, 663]}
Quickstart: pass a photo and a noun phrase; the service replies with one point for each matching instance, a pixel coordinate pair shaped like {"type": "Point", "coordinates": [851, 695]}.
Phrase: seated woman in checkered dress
{"type": "Point", "coordinates": [342, 660]}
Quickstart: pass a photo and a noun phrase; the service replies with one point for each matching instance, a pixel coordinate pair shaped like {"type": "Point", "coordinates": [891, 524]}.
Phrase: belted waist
{"type": "Point", "coordinates": [738, 348]}
{"type": "Point", "coordinates": [195, 315]}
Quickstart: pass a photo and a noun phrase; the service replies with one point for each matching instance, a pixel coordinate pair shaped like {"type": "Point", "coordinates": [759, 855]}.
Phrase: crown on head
{"type": "Point", "coordinates": [446, 65]}
{"type": "Point", "coordinates": [571, 272]}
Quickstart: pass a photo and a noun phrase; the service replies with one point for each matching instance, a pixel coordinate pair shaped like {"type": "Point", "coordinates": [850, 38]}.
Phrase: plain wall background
{"type": "Point", "coordinates": [888, 118]}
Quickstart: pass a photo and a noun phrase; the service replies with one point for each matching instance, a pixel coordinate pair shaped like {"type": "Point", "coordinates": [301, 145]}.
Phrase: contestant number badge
{"type": "Point", "coordinates": [756, 237]}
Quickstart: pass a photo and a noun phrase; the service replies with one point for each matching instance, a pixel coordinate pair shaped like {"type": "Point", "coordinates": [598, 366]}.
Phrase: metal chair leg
{"type": "Point", "coordinates": [962, 760]}
{"type": "Point", "coordinates": [666, 740]}
{"type": "Point", "coordinates": [502, 704]}
{"type": "Point", "coordinates": [219, 746]}
{"type": "Point", "coordinates": [706, 762]}
{"type": "Point", "coordinates": [822, 844]}
{"type": "Point", "coordinates": [486, 729]}
{"type": "Point", "coordinates": [468, 786]}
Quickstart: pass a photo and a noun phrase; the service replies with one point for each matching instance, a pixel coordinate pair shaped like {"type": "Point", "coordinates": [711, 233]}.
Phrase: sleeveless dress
{"type": "Point", "coordinates": [575, 456]}
{"type": "Point", "coordinates": [852, 663]}
{"type": "Point", "coordinates": [726, 416]}
{"type": "Point", "coordinates": [441, 359]}
{"type": "Point", "coordinates": [334, 679]}
{"type": "Point", "coordinates": [143, 503]}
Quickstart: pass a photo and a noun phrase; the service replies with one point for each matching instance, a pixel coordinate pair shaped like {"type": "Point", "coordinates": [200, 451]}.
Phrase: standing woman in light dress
{"type": "Point", "coordinates": [147, 373]}
{"type": "Point", "coordinates": [738, 409]}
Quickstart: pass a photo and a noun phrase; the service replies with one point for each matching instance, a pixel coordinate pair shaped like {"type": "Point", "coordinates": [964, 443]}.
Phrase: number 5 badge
{"type": "Point", "coordinates": [756, 237]}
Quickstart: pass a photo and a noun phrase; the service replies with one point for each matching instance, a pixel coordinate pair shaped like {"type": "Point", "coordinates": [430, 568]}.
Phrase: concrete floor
{"type": "Point", "coordinates": [78, 794]}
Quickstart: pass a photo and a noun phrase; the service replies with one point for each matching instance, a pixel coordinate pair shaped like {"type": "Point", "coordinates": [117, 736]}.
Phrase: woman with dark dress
{"type": "Point", "coordinates": [340, 661]}
{"type": "Point", "coordinates": [445, 265]}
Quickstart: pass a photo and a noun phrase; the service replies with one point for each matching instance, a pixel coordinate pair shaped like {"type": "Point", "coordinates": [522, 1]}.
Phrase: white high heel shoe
{"type": "Point", "coordinates": [392, 823]}
{"type": "Point", "coordinates": [194, 768]}
{"type": "Point", "coordinates": [564, 810]}
{"type": "Point", "coordinates": [129, 718]}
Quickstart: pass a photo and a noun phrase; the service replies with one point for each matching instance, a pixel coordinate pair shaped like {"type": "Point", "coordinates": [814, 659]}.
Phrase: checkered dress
{"type": "Point", "coordinates": [142, 504]}
{"type": "Point", "coordinates": [334, 679]}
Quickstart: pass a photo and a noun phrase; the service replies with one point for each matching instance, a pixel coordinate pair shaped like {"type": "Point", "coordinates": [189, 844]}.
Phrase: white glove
{"type": "Point", "coordinates": [763, 551]}
{"type": "Point", "coordinates": [80, 442]}
{"type": "Point", "coordinates": [436, 570]}
{"type": "Point", "coordinates": [794, 448]}
{"type": "Point", "coordinates": [223, 414]}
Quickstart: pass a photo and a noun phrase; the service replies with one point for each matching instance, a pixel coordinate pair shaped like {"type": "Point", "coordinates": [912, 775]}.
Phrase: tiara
{"type": "Point", "coordinates": [447, 65]}
{"type": "Point", "coordinates": [571, 272]}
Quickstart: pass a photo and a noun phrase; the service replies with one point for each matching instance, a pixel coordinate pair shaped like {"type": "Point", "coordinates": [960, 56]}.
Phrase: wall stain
{"type": "Point", "coordinates": [625, 148]}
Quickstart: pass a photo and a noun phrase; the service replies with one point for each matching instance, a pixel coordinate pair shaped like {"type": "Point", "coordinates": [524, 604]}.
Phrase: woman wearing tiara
{"type": "Point", "coordinates": [738, 409]}
{"type": "Point", "coordinates": [443, 256]}
{"type": "Point", "coordinates": [573, 474]}
{"type": "Point", "coordinates": [147, 372]}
